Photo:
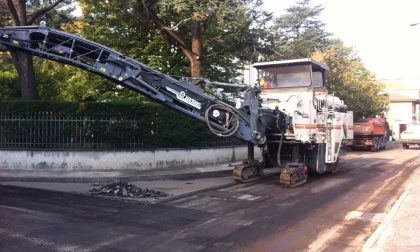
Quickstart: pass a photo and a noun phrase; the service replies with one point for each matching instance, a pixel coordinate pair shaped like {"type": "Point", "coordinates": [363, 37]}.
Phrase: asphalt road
{"type": "Point", "coordinates": [330, 212]}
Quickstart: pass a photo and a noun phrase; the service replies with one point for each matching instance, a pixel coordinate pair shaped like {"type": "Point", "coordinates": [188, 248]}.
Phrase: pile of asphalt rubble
{"type": "Point", "coordinates": [123, 189]}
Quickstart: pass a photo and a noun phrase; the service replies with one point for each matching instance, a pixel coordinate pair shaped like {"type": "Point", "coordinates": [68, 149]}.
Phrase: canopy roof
{"type": "Point", "coordinates": [316, 66]}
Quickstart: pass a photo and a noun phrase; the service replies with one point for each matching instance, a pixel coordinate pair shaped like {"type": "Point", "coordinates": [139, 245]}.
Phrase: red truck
{"type": "Point", "coordinates": [369, 133]}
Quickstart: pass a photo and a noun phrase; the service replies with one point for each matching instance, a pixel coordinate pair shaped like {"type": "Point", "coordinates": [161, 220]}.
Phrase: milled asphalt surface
{"type": "Point", "coordinates": [173, 188]}
{"type": "Point", "coordinates": [173, 182]}
{"type": "Point", "coordinates": [399, 229]}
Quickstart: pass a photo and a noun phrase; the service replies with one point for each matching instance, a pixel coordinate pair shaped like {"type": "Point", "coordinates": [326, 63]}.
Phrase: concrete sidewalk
{"type": "Point", "coordinates": [400, 230]}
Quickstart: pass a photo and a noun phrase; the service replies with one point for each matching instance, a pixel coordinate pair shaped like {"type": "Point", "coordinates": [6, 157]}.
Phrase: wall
{"type": "Point", "coordinates": [249, 75]}
{"type": "Point", "coordinates": [119, 160]}
{"type": "Point", "coordinates": [399, 113]}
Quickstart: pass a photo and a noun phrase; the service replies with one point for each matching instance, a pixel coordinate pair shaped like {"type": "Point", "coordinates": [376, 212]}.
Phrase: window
{"type": "Point", "coordinates": [288, 76]}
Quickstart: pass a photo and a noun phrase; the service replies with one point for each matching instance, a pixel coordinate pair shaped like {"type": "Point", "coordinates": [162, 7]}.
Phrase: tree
{"type": "Point", "coordinates": [116, 24]}
{"type": "Point", "coordinates": [56, 17]}
{"type": "Point", "coordinates": [351, 81]}
{"type": "Point", "coordinates": [299, 32]}
{"type": "Point", "coordinates": [4, 17]}
{"type": "Point", "coordinates": [206, 29]}
{"type": "Point", "coordinates": [17, 10]}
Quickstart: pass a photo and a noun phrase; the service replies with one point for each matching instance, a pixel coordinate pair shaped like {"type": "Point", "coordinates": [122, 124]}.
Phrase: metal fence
{"type": "Point", "coordinates": [45, 130]}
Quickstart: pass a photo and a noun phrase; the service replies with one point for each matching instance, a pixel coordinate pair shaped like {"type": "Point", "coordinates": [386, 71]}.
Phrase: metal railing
{"type": "Point", "coordinates": [47, 130]}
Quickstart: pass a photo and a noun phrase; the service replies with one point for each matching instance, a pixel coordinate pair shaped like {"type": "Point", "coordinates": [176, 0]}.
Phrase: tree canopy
{"type": "Point", "coordinates": [299, 32]}
{"type": "Point", "coordinates": [351, 81]}
{"type": "Point", "coordinates": [173, 36]}
{"type": "Point", "coordinates": [213, 35]}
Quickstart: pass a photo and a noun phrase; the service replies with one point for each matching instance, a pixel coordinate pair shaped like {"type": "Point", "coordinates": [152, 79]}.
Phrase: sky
{"type": "Point", "coordinates": [378, 30]}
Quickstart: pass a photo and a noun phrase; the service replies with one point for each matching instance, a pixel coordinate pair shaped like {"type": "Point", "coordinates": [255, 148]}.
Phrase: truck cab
{"type": "Point", "coordinates": [298, 87]}
{"type": "Point", "coordinates": [302, 74]}
{"type": "Point", "coordinates": [319, 120]}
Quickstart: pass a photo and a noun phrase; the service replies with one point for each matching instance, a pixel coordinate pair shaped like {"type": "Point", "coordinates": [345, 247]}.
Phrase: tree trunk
{"type": "Point", "coordinates": [196, 48]}
{"type": "Point", "coordinates": [22, 61]}
{"type": "Point", "coordinates": [196, 68]}
{"type": "Point", "coordinates": [24, 65]}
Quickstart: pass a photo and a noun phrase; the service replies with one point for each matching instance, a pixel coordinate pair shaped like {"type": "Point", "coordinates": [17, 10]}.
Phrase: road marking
{"type": "Point", "coordinates": [244, 223]}
{"type": "Point", "coordinates": [373, 217]}
{"type": "Point", "coordinates": [105, 243]}
{"type": "Point", "coordinates": [20, 209]}
{"type": "Point", "coordinates": [209, 221]}
{"type": "Point", "coordinates": [28, 211]}
{"type": "Point", "coordinates": [38, 241]}
{"type": "Point", "coordinates": [248, 197]}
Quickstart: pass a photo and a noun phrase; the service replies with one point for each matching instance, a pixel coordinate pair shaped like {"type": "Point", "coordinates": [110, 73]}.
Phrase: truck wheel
{"type": "Point", "coordinates": [374, 147]}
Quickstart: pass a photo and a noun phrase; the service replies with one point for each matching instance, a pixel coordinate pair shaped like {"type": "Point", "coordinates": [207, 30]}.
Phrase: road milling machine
{"type": "Point", "coordinates": [289, 114]}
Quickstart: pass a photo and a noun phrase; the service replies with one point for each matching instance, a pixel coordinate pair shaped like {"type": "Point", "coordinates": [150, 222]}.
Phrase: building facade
{"type": "Point", "coordinates": [404, 106]}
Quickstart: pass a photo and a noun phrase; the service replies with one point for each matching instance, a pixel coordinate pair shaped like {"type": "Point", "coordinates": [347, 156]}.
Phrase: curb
{"type": "Point", "coordinates": [172, 176]}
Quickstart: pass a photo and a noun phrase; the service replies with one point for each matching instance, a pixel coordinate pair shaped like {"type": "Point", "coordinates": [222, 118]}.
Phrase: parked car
{"type": "Point", "coordinates": [411, 136]}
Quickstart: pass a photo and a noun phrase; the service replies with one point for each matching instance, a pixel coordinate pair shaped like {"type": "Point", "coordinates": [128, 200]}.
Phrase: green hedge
{"type": "Point", "coordinates": [92, 125]}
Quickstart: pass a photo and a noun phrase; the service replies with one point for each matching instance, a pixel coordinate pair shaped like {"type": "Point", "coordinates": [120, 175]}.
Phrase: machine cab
{"type": "Point", "coordinates": [298, 73]}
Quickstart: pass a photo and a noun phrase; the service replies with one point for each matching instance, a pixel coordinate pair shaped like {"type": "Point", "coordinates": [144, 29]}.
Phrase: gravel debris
{"type": "Point", "coordinates": [125, 190]}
